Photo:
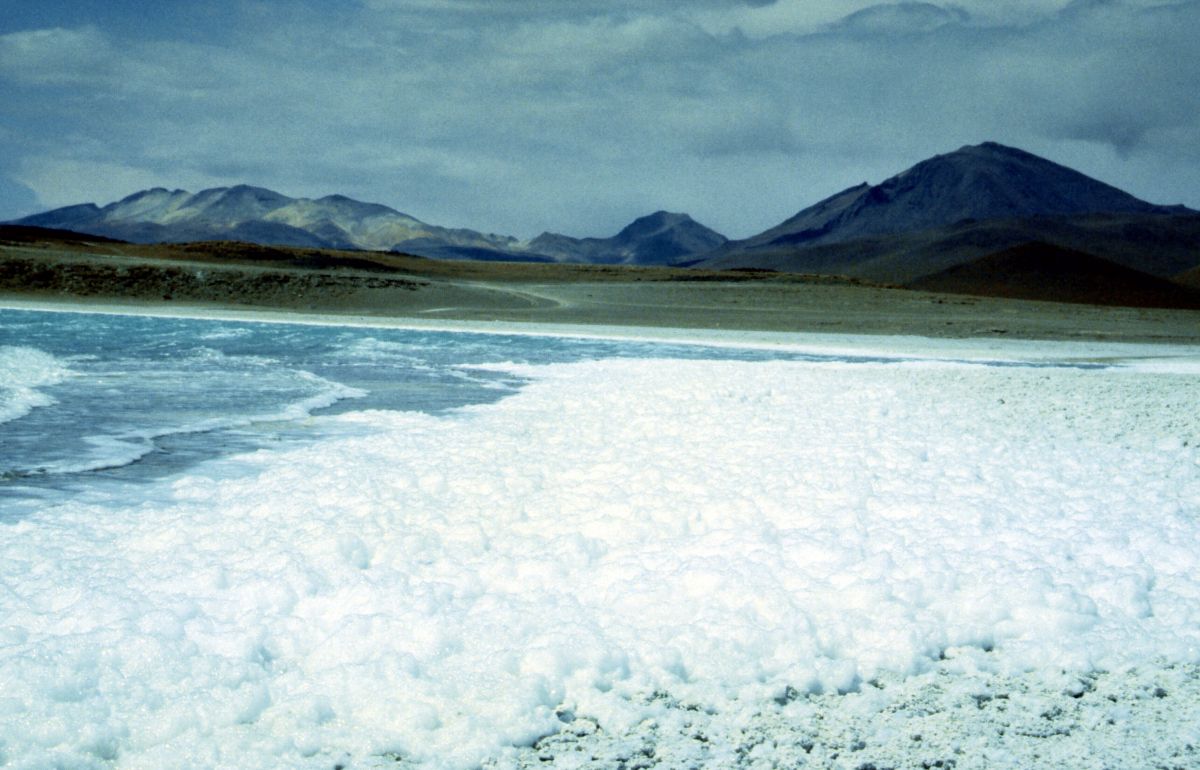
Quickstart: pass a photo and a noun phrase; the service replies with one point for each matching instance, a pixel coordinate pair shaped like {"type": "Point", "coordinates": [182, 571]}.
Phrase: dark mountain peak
{"type": "Point", "coordinates": [991, 154]}
{"type": "Point", "coordinates": [661, 238]}
{"type": "Point", "coordinates": [550, 237]}
{"type": "Point", "coordinates": [654, 223]}
{"type": "Point", "coordinates": [994, 148]}
{"type": "Point", "coordinates": [991, 181]}
{"type": "Point", "coordinates": [665, 217]}
{"type": "Point", "coordinates": [987, 181]}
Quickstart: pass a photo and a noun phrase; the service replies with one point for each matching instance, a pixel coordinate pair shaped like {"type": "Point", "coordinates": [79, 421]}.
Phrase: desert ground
{"type": "Point", "coordinates": [377, 285]}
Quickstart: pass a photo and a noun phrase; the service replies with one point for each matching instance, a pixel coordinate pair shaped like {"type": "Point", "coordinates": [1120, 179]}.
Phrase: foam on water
{"type": "Point", "coordinates": [128, 442]}
{"type": "Point", "coordinates": [438, 590]}
{"type": "Point", "coordinates": [116, 451]}
{"type": "Point", "coordinates": [22, 371]}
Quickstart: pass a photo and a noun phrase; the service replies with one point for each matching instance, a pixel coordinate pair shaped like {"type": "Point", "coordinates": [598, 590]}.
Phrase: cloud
{"type": "Point", "coordinates": [517, 116]}
{"type": "Point", "coordinates": [16, 200]}
{"type": "Point", "coordinates": [1132, 94]}
{"type": "Point", "coordinates": [900, 19]}
{"type": "Point", "coordinates": [802, 17]}
{"type": "Point", "coordinates": [56, 181]}
{"type": "Point", "coordinates": [55, 56]}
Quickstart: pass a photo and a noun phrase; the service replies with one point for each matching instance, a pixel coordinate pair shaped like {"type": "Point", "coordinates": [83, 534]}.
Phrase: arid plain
{"type": "Point", "coordinates": [217, 276]}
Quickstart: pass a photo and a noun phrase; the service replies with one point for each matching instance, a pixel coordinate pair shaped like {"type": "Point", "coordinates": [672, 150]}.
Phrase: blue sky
{"type": "Point", "coordinates": [517, 116]}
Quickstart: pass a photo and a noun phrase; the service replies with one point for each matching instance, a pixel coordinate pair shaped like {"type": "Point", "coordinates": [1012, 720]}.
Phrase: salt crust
{"type": "Point", "coordinates": [746, 539]}
{"type": "Point", "coordinates": [955, 716]}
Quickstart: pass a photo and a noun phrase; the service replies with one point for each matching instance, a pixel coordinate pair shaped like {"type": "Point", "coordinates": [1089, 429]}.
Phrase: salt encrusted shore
{"type": "Point", "coordinates": [958, 715]}
{"type": "Point", "coordinates": [1125, 443]}
{"type": "Point", "coordinates": [1085, 348]}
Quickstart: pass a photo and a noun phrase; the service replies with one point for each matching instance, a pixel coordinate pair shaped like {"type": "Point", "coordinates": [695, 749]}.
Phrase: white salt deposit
{"type": "Point", "coordinates": [623, 543]}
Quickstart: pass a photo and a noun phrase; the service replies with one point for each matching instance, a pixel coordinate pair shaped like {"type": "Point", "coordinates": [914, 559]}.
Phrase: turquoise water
{"type": "Point", "coordinates": [87, 398]}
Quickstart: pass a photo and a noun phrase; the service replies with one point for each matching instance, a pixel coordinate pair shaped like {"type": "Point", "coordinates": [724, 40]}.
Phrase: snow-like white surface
{"type": "Point", "coordinates": [725, 534]}
{"type": "Point", "coordinates": [22, 371]}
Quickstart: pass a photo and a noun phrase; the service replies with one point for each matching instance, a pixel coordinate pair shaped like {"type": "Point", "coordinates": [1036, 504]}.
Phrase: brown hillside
{"type": "Point", "coordinates": [1189, 278]}
{"type": "Point", "coordinates": [1041, 271]}
{"type": "Point", "coordinates": [31, 234]}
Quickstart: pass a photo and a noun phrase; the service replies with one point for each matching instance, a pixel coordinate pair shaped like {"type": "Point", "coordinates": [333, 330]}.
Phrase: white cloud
{"type": "Point", "coordinates": [522, 116]}
{"type": "Point", "coordinates": [802, 17]}
{"type": "Point", "coordinates": [55, 56]}
{"type": "Point", "coordinates": [58, 181]}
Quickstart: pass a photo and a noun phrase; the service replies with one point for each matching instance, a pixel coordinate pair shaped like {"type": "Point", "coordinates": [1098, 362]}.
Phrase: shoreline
{"type": "Point", "coordinates": [914, 346]}
{"type": "Point", "coordinates": [387, 290]}
{"type": "Point", "coordinates": [971, 703]}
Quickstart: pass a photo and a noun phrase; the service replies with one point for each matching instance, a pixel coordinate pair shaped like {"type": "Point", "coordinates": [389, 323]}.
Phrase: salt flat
{"type": "Point", "coordinates": [720, 563]}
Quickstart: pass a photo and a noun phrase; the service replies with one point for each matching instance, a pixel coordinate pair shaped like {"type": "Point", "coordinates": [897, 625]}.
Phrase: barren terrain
{"type": "Point", "coordinates": [229, 275]}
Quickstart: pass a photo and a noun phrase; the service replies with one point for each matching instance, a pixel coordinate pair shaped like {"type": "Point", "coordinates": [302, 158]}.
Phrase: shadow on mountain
{"type": "Point", "coordinates": [32, 234]}
{"type": "Point", "coordinates": [1042, 271]}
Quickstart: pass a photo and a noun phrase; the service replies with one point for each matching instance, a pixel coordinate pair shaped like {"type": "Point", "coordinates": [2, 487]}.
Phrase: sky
{"type": "Point", "coordinates": [519, 116]}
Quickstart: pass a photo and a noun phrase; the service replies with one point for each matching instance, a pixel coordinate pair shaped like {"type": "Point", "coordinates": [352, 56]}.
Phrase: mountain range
{"type": "Point", "coordinates": [944, 213]}
{"type": "Point", "coordinates": [258, 215]}
{"type": "Point", "coordinates": [987, 181]}
{"type": "Point", "coordinates": [967, 204]}
{"type": "Point", "coordinates": [662, 238]}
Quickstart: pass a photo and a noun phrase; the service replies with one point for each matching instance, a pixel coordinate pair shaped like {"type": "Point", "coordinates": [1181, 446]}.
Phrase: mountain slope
{"type": "Point", "coordinates": [65, 218]}
{"type": "Point", "coordinates": [957, 207]}
{"type": "Point", "coordinates": [259, 215]}
{"type": "Point", "coordinates": [1042, 271]}
{"type": "Point", "coordinates": [1159, 244]}
{"type": "Point", "coordinates": [1189, 278]}
{"type": "Point", "coordinates": [661, 238]}
{"type": "Point", "coordinates": [34, 234]}
{"type": "Point", "coordinates": [262, 216]}
{"type": "Point", "coordinates": [981, 182]}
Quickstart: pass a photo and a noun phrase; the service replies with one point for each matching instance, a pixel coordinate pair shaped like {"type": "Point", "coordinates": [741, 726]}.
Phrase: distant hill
{"type": "Point", "coordinates": [1190, 278]}
{"type": "Point", "coordinates": [30, 234]}
{"type": "Point", "coordinates": [944, 212]}
{"type": "Point", "coordinates": [954, 208]}
{"type": "Point", "coordinates": [661, 238]}
{"type": "Point", "coordinates": [1160, 244]}
{"type": "Point", "coordinates": [258, 215]}
{"type": "Point", "coordinates": [986, 181]}
{"type": "Point", "coordinates": [262, 216]}
{"type": "Point", "coordinates": [1041, 271]}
